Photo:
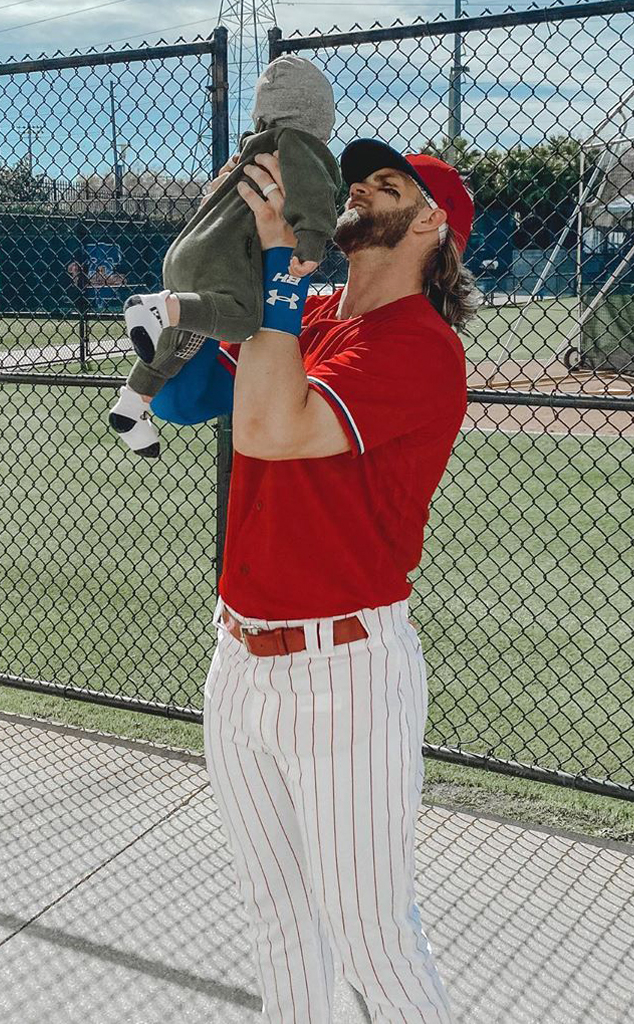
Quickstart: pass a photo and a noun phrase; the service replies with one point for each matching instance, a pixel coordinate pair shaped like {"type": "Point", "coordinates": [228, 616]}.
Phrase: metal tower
{"type": "Point", "coordinates": [248, 22]}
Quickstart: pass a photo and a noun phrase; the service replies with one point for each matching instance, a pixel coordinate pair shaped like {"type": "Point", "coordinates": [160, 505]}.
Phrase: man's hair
{"type": "Point", "coordinates": [448, 284]}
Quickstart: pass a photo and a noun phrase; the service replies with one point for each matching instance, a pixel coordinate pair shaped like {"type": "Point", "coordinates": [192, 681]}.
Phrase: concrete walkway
{"type": "Point", "coordinates": [38, 358]}
{"type": "Point", "coordinates": [119, 905]}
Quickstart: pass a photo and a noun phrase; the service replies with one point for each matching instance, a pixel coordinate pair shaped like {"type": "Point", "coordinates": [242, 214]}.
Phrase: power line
{"type": "Point", "coordinates": [17, 3]}
{"type": "Point", "coordinates": [58, 17]}
{"type": "Point", "coordinates": [167, 28]}
{"type": "Point", "coordinates": [279, 3]}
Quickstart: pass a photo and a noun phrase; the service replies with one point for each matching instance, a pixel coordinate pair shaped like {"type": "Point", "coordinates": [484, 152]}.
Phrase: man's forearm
{"type": "Point", "coordinates": [271, 388]}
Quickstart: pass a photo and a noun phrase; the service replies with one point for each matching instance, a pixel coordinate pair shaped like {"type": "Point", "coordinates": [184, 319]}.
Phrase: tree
{"type": "Point", "coordinates": [537, 184]}
{"type": "Point", "coordinates": [19, 185]}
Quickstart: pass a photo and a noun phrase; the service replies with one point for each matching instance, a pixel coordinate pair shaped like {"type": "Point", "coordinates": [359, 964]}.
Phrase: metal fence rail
{"type": "Point", "coordinates": [524, 593]}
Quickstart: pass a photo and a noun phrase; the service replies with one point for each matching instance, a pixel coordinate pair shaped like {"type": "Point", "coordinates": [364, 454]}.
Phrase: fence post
{"type": "Point", "coordinates": [82, 300]}
{"type": "Point", "coordinates": [219, 157]}
{"type": "Point", "coordinates": [275, 34]}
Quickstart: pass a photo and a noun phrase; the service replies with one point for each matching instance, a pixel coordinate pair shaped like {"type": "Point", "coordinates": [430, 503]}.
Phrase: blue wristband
{"type": "Point", "coordinates": [284, 295]}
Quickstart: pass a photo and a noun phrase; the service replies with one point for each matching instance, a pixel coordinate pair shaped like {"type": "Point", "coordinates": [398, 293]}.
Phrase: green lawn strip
{"type": "Point", "coordinates": [109, 575]}
{"type": "Point", "coordinates": [106, 569]}
{"type": "Point", "coordinates": [533, 331]}
{"type": "Point", "coordinates": [522, 599]}
{"type": "Point", "coordinates": [107, 560]}
{"type": "Point", "coordinates": [523, 801]}
{"type": "Point", "coordinates": [537, 331]}
{"type": "Point", "coordinates": [19, 333]}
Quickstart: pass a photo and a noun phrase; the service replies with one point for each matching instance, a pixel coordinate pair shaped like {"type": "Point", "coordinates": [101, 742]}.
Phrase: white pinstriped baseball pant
{"type": "Point", "coordinates": [316, 766]}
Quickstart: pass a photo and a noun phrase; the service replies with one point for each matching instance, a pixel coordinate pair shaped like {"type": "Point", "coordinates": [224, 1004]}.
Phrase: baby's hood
{"type": "Point", "coordinates": [293, 93]}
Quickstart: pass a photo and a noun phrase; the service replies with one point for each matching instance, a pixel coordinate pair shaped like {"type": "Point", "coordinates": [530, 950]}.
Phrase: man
{"type": "Point", "coordinates": [316, 699]}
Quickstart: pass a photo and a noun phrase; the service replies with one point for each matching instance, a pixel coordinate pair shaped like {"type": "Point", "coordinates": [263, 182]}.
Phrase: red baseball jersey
{"type": "Point", "coordinates": [321, 537]}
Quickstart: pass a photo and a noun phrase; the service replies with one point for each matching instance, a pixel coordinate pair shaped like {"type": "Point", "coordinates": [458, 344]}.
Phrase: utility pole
{"type": "Point", "coordinates": [30, 132]}
{"type": "Point", "coordinates": [454, 120]}
{"type": "Point", "coordinates": [118, 177]}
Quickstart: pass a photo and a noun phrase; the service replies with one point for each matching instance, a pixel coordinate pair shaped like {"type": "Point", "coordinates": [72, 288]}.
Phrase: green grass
{"type": "Point", "coordinates": [107, 581]}
{"type": "Point", "coordinates": [535, 331]}
{"type": "Point", "coordinates": [19, 333]}
{"type": "Point", "coordinates": [531, 804]}
{"type": "Point", "coordinates": [540, 330]}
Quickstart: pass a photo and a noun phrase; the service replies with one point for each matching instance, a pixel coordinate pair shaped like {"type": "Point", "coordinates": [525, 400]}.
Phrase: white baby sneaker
{"type": "Point", "coordinates": [145, 318]}
{"type": "Point", "coordinates": [130, 417]}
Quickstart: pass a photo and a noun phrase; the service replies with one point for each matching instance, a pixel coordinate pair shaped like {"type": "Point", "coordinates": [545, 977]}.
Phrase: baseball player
{"type": "Point", "coordinates": [345, 413]}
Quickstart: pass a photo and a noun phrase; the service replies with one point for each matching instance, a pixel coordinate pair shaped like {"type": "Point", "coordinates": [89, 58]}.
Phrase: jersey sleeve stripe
{"type": "Point", "coordinates": [339, 406]}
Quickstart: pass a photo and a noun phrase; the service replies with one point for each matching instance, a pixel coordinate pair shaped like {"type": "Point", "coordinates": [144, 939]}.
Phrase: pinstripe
{"type": "Point", "coordinates": [387, 776]}
{"type": "Point", "coordinates": [325, 949]}
{"type": "Point", "coordinates": [226, 698]}
{"type": "Point", "coordinates": [244, 876]}
{"type": "Point", "coordinates": [263, 920]}
{"type": "Point", "coordinates": [407, 836]}
{"type": "Point", "coordinates": [393, 832]}
{"type": "Point", "coordinates": [323, 938]}
{"type": "Point", "coordinates": [353, 812]}
{"type": "Point", "coordinates": [376, 887]}
{"type": "Point", "coordinates": [335, 837]}
{"type": "Point", "coordinates": [346, 726]}
{"type": "Point", "coordinates": [408, 833]}
{"type": "Point", "coordinates": [286, 886]}
{"type": "Point", "coordinates": [398, 788]}
{"type": "Point", "coordinates": [236, 806]}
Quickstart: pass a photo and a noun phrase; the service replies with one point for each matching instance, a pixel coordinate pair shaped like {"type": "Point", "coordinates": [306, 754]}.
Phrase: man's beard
{"type": "Point", "coordinates": [357, 229]}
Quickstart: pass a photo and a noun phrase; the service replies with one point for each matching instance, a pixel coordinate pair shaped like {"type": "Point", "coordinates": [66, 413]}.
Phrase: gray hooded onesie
{"type": "Point", "coordinates": [215, 264]}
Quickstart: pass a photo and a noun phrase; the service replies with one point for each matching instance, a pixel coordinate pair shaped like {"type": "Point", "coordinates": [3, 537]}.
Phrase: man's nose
{"type": "Point", "coordinates": [358, 188]}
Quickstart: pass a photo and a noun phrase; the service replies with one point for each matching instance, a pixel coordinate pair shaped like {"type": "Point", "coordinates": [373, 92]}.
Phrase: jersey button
{"type": "Point", "coordinates": [244, 568]}
{"type": "Point", "coordinates": [259, 506]}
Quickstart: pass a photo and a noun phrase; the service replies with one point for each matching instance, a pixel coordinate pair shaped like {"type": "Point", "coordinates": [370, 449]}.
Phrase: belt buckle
{"type": "Point", "coordinates": [251, 630]}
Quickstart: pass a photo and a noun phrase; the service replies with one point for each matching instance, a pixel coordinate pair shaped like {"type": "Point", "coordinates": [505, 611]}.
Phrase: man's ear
{"type": "Point", "coordinates": [427, 220]}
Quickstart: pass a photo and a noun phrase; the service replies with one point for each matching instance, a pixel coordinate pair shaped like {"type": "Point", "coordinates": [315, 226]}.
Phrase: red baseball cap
{"type": "Point", "coordinates": [439, 182]}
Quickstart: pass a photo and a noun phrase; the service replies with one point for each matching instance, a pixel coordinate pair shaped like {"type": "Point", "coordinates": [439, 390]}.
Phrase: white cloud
{"type": "Point", "coordinates": [521, 85]}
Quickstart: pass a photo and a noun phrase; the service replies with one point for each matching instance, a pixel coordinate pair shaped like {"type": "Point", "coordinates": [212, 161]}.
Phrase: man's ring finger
{"type": "Point", "coordinates": [269, 188]}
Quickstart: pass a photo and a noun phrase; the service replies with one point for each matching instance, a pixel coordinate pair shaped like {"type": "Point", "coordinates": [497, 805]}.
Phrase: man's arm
{"type": "Point", "coordinates": [275, 414]}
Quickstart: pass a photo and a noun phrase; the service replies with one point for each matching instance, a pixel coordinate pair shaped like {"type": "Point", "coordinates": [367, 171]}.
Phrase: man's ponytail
{"type": "Point", "coordinates": [448, 285]}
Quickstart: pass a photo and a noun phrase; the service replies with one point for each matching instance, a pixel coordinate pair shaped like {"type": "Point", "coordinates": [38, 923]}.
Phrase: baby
{"type": "Point", "coordinates": [212, 271]}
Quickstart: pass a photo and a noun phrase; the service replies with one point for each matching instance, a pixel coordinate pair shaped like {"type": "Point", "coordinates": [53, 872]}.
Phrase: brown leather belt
{"type": "Point", "coordinates": [289, 639]}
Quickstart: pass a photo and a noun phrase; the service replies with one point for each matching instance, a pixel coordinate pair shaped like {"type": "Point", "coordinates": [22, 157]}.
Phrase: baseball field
{"type": "Point", "coordinates": [543, 326]}
{"type": "Point", "coordinates": [107, 580]}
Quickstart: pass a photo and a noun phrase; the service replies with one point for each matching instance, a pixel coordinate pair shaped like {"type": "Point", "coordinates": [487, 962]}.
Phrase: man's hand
{"type": "Point", "coordinates": [273, 229]}
{"type": "Point", "coordinates": [222, 175]}
{"type": "Point", "coordinates": [299, 269]}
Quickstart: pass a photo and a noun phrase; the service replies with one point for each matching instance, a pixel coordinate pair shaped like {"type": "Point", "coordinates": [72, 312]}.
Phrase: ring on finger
{"type": "Point", "coordinates": [269, 188]}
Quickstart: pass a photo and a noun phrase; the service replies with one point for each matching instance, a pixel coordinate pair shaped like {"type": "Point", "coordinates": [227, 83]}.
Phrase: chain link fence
{"type": "Point", "coordinates": [524, 592]}
{"type": "Point", "coordinates": [108, 571]}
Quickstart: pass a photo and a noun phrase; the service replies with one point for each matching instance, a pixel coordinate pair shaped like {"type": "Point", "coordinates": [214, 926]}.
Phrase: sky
{"type": "Point", "coordinates": [43, 26]}
{"type": "Point", "coordinates": [518, 86]}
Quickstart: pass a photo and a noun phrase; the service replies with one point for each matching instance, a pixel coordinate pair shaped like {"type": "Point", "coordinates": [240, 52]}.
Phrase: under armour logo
{"type": "Point", "coordinates": [274, 296]}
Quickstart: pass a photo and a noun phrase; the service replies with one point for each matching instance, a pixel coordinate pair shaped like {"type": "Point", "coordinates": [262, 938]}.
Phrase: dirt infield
{"type": "Point", "coordinates": [547, 379]}
{"type": "Point", "coordinates": [509, 418]}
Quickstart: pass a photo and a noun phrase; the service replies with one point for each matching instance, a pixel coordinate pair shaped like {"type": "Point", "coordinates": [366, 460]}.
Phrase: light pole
{"type": "Point", "coordinates": [118, 177]}
{"type": "Point", "coordinates": [454, 119]}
